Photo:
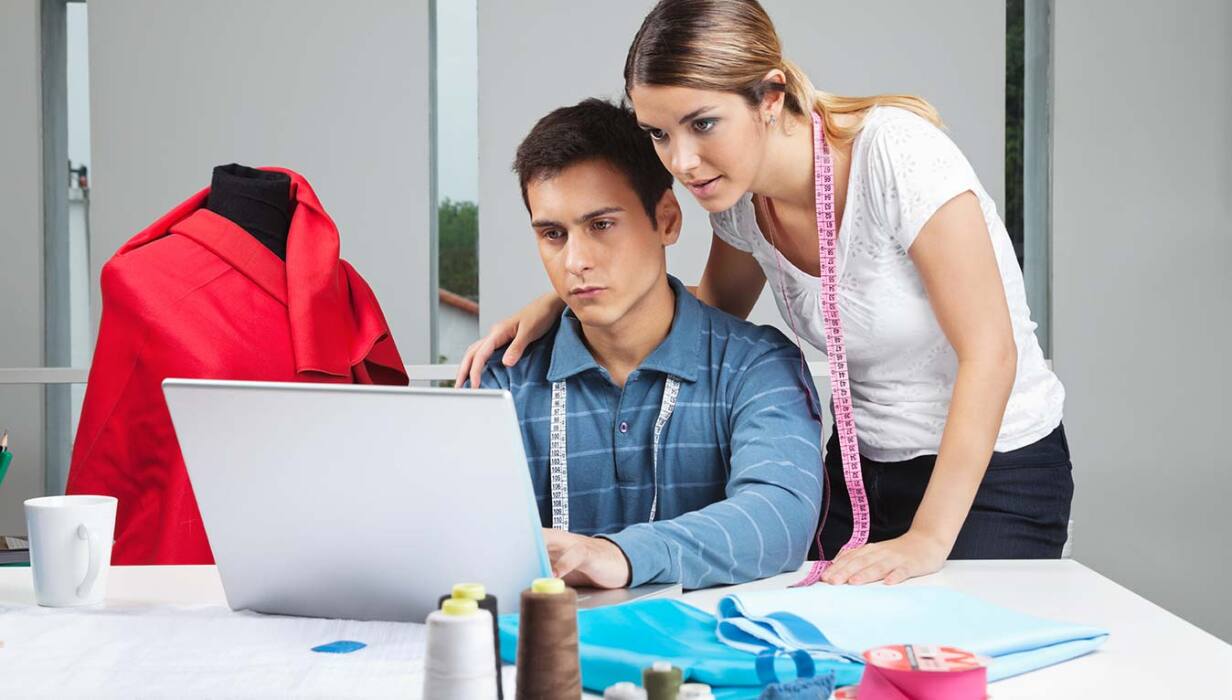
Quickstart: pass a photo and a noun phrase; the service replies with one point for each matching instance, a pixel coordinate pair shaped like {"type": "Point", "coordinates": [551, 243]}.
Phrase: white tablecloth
{"type": "Point", "coordinates": [170, 651]}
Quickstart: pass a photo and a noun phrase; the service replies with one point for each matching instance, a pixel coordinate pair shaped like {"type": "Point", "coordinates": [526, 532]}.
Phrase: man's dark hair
{"type": "Point", "coordinates": [593, 129]}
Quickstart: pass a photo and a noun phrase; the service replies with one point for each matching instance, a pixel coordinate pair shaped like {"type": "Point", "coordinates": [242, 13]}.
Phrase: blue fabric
{"type": "Point", "coordinates": [839, 622]}
{"type": "Point", "coordinates": [767, 660]}
{"type": "Point", "coordinates": [740, 462]}
{"type": "Point", "coordinates": [344, 646]}
{"type": "Point", "coordinates": [615, 643]}
{"type": "Point", "coordinates": [730, 652]}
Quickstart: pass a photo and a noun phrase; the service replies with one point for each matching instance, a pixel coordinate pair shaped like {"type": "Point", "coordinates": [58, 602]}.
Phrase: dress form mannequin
{"type": "Point", "coordinates": [190, 295]}
{"type": "Point", "coordinates": [258, 201]}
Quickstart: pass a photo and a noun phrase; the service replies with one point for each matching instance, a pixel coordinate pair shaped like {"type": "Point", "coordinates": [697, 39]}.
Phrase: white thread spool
{"type": "Point", "coordinates": [459, 663]}
{"type": "Point", "coordinates": [624, 690]}
{"type": "Point", "coordinates": [695, 691]}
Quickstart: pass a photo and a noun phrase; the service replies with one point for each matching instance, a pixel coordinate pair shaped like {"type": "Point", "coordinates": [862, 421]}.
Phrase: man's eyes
{"type": "Point", "coordinates": [556, 234]}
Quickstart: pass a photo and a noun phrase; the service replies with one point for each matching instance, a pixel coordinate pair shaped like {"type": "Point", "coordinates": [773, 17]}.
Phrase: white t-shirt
{"type": "Point", "coordinates": [901, 366]}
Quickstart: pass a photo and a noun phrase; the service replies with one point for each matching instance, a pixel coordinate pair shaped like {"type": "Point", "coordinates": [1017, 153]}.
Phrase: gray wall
{"type": "Point", "coordinates": [1142, 293]}
{"type": "Point", "coordinates": [1142, 196]}
{"type": "Point", "coordinates": [337, 91]}
{"type": "Point", "coordinates": [21, 252]}
{"type": "Point", "coordinates": [541, 54]}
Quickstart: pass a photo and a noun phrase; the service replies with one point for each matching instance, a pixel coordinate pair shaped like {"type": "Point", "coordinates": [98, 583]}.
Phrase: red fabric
{"type": "Point", "coordinates": [195, 296]}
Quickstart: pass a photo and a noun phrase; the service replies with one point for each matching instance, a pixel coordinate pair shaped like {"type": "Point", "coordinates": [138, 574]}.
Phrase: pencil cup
{"type": "Point", "coordinates": [70, 548]}
{"type": "Point", "coordinates": [460, 663]}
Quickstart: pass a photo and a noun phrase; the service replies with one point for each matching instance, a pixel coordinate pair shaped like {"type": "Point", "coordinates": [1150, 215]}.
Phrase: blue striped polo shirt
{"type": "Point", "coordinates": [740, 480]}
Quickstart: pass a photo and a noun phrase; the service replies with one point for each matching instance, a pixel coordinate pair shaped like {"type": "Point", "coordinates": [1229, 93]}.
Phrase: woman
{"type": "Point", "coordinates": [957, 413]}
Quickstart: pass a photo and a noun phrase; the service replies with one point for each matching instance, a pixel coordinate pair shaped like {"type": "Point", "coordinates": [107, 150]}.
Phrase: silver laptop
{"type": "Point", "coordinates": [358, 502]}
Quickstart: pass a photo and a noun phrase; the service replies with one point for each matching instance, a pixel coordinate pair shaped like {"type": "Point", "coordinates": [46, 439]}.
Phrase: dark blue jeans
{"type": "Point", "coordinates": [1021, 510]}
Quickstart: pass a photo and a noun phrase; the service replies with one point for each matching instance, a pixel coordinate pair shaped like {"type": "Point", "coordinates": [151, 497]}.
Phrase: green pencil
{"type": "Point", "coordinates": [6, 457]}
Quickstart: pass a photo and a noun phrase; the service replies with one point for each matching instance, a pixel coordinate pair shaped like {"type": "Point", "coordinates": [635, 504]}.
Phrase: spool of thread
{"type": "Point", "coordinates": [458, 663]}
{"type": "Point", "coordinates": [548, 643]}
{"type": "Point", "coordinates": [624, 690]}
{"type": "Point", "coordinates": [662, 681]}
{"type": "Point", "coordinates": [477, 593]}
{"type": "Point", "coordinates": [922, 672]}
{"type": "Point", "coordinates": [695, 691]}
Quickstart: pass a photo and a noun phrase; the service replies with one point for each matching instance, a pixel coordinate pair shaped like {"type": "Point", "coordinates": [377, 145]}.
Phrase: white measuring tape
{"type": "Point", "coordinates": [558, 460]}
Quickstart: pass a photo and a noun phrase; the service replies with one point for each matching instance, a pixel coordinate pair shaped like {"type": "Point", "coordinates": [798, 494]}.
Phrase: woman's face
{"type": "Point", "coordinates": [710, 141]}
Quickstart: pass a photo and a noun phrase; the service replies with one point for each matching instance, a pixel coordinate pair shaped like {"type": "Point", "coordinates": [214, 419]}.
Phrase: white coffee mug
{"type": "Point", "coordinates": [70, 548]}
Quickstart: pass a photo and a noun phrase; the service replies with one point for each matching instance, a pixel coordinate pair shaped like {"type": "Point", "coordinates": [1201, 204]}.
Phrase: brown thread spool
{"type": "Point", "coordinates": [548, 643]}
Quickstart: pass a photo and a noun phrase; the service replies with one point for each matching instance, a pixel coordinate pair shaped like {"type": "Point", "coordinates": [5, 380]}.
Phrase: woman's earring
{"type": "Point", "coordinates": [771, 122]}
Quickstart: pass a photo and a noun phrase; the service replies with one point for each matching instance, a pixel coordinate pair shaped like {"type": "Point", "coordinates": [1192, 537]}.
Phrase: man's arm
{"type": "Point", "coordinates": [774, 487]}
{"type": "Point", "coordinates": [586, 561]}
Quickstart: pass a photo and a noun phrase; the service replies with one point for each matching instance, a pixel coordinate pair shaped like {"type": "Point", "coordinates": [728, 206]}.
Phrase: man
{"type": "Point", "coordinates": [692, 436]}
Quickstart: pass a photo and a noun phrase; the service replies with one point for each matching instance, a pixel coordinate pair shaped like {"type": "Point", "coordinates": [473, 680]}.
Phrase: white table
{"type": "Point", "coordinates": [1147, 641]}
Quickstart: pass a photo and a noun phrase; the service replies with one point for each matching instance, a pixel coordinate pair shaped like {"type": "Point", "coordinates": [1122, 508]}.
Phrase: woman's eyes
{"type": "Point", "coordinates": [701, 126]}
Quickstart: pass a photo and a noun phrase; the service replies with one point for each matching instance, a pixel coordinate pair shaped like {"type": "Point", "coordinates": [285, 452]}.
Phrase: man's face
{"type": "Point", "coordinates": [599, 248]}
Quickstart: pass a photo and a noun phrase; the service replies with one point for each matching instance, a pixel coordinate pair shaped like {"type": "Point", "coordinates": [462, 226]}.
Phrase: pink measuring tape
{"type": "Point", "coordinates": [823, 183]}
{"type": "Point", "coordinates": [920, 672]}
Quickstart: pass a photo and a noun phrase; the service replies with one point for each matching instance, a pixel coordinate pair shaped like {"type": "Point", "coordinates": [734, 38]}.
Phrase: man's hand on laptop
{"type": "Point", "coordinates": [586, 561]}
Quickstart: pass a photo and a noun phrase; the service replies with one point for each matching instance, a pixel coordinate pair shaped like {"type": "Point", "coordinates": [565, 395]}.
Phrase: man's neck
{"type": "Point", "coordinates": [621, 347]}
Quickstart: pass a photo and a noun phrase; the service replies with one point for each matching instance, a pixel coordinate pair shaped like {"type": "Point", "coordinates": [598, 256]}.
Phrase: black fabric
{"type": "Point", "coordinates": [1021, 510]}
{"type": "Point", "coordinates": [258, 201]}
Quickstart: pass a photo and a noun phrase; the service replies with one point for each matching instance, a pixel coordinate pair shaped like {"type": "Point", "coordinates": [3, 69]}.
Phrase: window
{"type": "Point", "coordinates": [1014, 16]}
{"type": "Point", "coordinates": [1028, 149]}
{"type": "Point", "coordinates": [47, 336]}
{"type": "Point", "coordinates": [456, 110]}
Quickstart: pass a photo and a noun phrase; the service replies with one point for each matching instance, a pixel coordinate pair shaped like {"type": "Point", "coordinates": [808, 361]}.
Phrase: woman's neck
{"type": "Point", "coordinates": [787, 171]}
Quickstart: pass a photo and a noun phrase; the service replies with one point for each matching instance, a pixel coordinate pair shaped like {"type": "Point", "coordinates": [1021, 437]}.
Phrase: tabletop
{"type": "Point", "coordinates": [1150, 653]}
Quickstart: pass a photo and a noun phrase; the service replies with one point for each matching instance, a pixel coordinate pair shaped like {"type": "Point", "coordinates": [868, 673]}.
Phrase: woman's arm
{"type": "Point", "coordinates": [519, 330]}
{"type": "Point", "coordinates": [731, 281]}
{"type": "Point", "coordinates": [959, 268]}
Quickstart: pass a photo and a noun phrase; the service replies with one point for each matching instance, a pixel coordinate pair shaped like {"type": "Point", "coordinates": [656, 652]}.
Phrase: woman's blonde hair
{"type": "Point", "coordinates": [730, 46]}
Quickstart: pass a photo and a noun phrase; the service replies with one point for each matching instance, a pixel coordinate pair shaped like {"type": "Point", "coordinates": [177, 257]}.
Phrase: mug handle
{"type": "Point", "coordinates": [87, 585]}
